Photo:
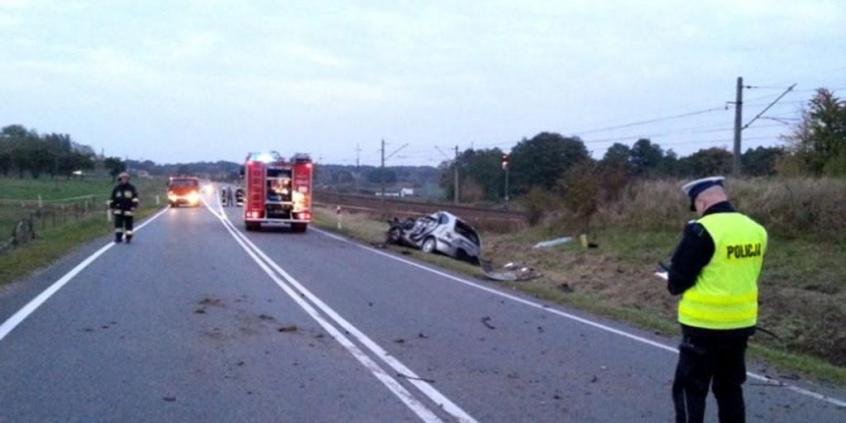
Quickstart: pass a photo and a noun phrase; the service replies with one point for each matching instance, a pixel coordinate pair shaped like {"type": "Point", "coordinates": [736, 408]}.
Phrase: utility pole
{"type": "Point", "coordinates": [382, 169]}
{"type": "Point", "coordinates": [357, 155]}
{"type": "Point", "coordinates": [738, 117]}
{"type": "Point", "coordinates": [505, 165]}
{"type": "Point", "coordinates": [382, 176]}
{"type": "Point", "coordinates": [455, 193]}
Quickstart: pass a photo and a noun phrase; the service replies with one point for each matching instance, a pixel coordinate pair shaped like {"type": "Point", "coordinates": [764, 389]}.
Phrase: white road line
{"type": "Point", "coordinates": [12, 322]}
{"type": "Point", "coordinates": [392, 384]}
{"type": "Point", "coordinates": [425, 387]}
{"type": "Point", "coordinates": [753, 375]}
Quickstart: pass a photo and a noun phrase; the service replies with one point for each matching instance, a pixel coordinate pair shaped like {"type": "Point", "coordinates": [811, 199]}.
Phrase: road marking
{"type": "Point", "coordinates": [12, 322]}
{"type": "Point", "coordinates": [392, 384]}
{"type": "Point", "coordinates": [753, 375]}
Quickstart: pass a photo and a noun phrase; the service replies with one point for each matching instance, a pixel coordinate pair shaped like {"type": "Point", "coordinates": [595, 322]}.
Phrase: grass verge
{"type": "Point", "coordinates": [614, 282]}
{"type": "Point", "coordinates": [55, 243]}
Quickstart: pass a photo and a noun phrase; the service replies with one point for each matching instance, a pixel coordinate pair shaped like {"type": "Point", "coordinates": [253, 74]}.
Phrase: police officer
{"type": "Point", "coordinates": [123, 204]}
{"type": "Point", "coordinates": [715, 269]}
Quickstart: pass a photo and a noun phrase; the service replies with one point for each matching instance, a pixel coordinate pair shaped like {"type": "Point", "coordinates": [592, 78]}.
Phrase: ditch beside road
{"type": "Point", "coordinates": [802, 299]}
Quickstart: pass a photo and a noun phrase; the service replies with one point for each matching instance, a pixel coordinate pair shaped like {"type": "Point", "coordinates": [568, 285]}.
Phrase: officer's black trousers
{"type": "Point", "coordinates": [123, 225]}
{"type": "Point", "coordinates": [715, 363]}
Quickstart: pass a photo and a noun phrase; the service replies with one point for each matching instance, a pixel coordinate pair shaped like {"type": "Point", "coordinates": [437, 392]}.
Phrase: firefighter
{"type": "Point", "coordinates": [715, 269]}
{"type": "Point", "coordinates": [224, 196]}
{"type": "Point", "coordinates": [123, 204]}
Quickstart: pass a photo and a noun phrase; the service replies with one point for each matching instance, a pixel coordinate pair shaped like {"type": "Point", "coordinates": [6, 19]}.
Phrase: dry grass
{"type": "Point", "coordinates": [788, 207]}
{"type": "Point", "coordinates": [802, 295]}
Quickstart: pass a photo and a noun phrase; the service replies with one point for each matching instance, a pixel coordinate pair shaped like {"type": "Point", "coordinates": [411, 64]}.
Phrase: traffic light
{"type": "Point", "coordinates": [505, 160]}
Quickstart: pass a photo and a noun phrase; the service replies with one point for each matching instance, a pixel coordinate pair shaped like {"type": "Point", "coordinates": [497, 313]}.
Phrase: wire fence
{"type": "Point", "coordinates": [22, 221]}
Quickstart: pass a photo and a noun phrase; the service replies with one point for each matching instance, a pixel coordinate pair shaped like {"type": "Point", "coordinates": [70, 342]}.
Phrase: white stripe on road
{"type": "Point", "coordinates": [301, 292]}
{"type": "Point", "coordinates": [425, 387]}
{"type": "Point", "coordinates": [12, 322]}
{"type": "Point", "coordinates": [395, 387]}
{"type": "Point", "coordinates": [756, 376]}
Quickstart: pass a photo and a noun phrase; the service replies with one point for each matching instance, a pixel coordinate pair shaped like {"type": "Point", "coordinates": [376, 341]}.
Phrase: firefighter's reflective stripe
{"type": "Point", "coordinates": [725, 295]}
{"type": "Point", "coordinates": [128, 212]}
{"type": "Point", "coordinates": [135, 200]}
{"type": "Point", "coordinates": [117, 211]}
{"type": "Point", "coordinates": [118, 230]}
{"type": "Point", "coordinates": [127, 193]}
{"type": "Point", "coordinates": [129, 231]}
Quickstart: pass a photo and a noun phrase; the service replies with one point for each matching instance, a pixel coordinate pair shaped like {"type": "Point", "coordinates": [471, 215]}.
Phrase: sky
{"type": "Point", "coordinates": [177, 81]}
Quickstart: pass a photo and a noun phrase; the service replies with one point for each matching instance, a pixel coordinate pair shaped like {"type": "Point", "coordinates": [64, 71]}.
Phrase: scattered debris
{"type": "Point", "coordinates": [88, 330]}
{"type": "Point", "coordinates": [565, 287]}
{"type": "Point", "coordinates": [266, 317]}
{"type": "Point", "coordinates": [790, 376]}
{"type": "Point", "coordinates": [200, 311]}
{"type": "Point", "coordinates": [415, 378]}
{"type": "Point", "coordinates": [594, 379]}
{"type": "Point", "coordinates": [540, 329]}
{"type": "Point", "coordinates": [510, 272]}
{"type": "Point", "coordinates": [553, 242]}
{"type": "Point", "coordinates": [487, 322]}
{"type": "Point", "coordinates": [290, 328]}
{"type": "Point", "coordinates": [240, 363]}
{"type": "Point", "coordinates": [399, 341]}
{"type": "Point", "coordinates": [370, 304]}
{"type": "Point", "coordinates": [169, 399]}
{"type": "Point", "coordinates": [379, 245]}
{"type": "Point", "coordinates": [422, 336]}
{"type": "Point", "coordinates": [405, 252]}
{"type": "Point", "coordinates": [211, 302]}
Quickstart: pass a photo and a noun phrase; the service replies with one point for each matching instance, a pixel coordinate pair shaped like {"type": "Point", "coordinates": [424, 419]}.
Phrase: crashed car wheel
{"type": "Point", "coordinates": [394, 236]}
{"type": "Point", "coordinates": [429, 245]}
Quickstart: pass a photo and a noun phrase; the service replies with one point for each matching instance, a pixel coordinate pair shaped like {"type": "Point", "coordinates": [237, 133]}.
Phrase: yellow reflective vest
{"type": "Point", "coordinates": [725, 295]}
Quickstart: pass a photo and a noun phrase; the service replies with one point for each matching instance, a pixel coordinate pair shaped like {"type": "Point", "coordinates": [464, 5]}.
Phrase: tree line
{"type": "Point", "coordinates": [552, 162]}
{"type": "Point", "coordinates": [24, 152]}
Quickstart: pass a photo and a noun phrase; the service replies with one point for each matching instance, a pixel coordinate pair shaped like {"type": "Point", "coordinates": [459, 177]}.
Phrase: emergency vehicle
{"type": "Point", "coordinates": [183, 190]}
{"type": "Point", "coordinates": [277, 190]}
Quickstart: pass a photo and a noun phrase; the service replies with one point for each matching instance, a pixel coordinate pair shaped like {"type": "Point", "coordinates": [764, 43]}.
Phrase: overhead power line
{"type": "Point", "coordinates": [648, 121]}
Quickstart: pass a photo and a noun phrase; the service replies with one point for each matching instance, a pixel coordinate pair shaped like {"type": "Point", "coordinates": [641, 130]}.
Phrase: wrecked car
{"type": "Point", "coordinates": [440, 232]}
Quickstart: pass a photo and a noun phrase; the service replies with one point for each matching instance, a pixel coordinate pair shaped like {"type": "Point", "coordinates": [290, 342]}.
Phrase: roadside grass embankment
{"type": "Point", "coordinates": [55, 240]}
{"type": "Point", "coordinates": [802, 298]}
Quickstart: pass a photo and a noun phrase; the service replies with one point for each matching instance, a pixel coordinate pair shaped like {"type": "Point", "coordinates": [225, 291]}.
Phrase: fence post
{"type": "Point", "coordinates": [40, 202]}
{"type": "Point", "coordinates": [340, 218]}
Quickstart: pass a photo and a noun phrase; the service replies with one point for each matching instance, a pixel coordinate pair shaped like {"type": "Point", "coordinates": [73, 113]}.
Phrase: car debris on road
{"type": "Point", "coordinates": [510, 272]}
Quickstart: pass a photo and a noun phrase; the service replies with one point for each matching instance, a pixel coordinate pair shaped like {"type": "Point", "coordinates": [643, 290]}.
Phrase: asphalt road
{"type": "Point", "coordinates": [198, 320]}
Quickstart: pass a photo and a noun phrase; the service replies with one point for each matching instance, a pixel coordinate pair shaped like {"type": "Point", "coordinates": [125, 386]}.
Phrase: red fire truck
{"type": "Point", "coordinates": [277, 190]}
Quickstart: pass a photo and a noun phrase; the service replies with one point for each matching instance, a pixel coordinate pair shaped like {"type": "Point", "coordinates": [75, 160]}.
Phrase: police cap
{"type": "Point", "coordinates": [694, 188]}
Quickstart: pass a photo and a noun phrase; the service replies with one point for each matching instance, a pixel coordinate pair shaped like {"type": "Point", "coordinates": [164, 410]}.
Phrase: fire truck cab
{"type": "Point", "coordinates": [277, 190]}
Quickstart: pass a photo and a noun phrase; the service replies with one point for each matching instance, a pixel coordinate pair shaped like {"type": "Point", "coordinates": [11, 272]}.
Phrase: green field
{"type": "Point", "coordinates": [54, 241]}
{"type": "Point", "coordinates": [18, 197]}
{"type": "Point", "coordinates": [53, 189]}
{"type": "Point", "coordinates": [801, 287]}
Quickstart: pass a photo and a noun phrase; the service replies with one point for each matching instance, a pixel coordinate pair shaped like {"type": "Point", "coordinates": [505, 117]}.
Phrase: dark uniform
{"type": "Point", "coordinates": [123, 204]}
{"type": "Point", "coordinates": [715, 268]}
